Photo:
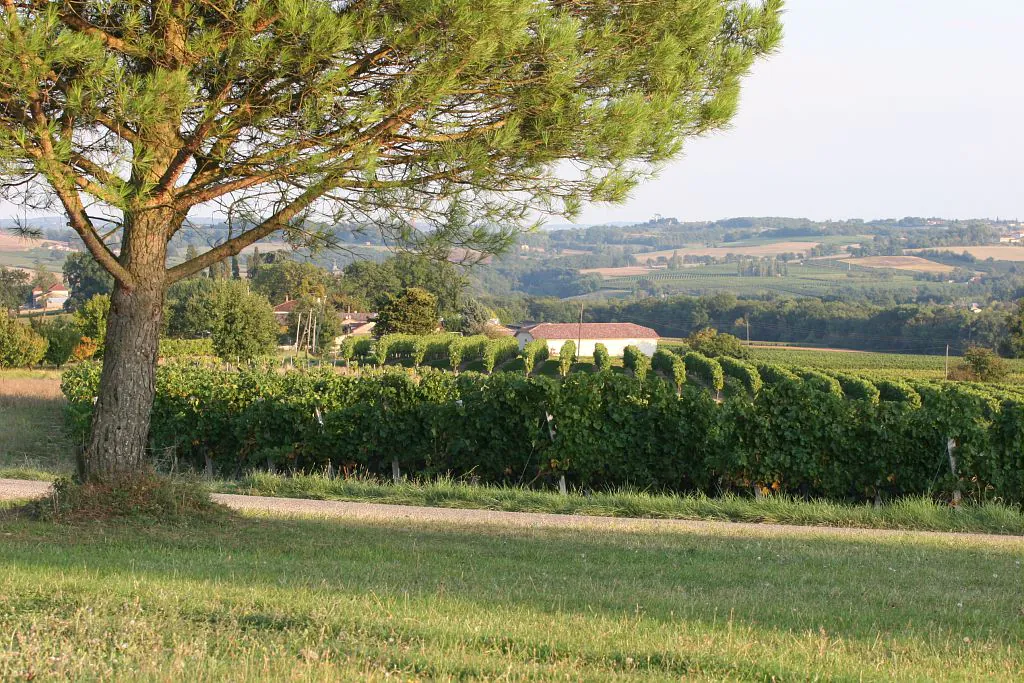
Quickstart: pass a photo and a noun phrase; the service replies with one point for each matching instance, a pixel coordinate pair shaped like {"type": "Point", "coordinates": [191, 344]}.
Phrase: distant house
{"type": "Point", "coordinates": [357, 323]}
{"type": "Point", "coordinates": [53, 297]}
{"type": "Point", "coordinates": [282, 311]}
{"type": "Point", "coordinates": [357, 329]}
{"type": "Point", "coordinates": [615, 336]}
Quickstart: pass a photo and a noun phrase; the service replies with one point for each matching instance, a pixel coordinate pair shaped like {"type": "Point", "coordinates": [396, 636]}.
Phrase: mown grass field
{"type": "Point", "coordinates": [910, 366]}
{"type": "Point", "coordinates": [270, 598]}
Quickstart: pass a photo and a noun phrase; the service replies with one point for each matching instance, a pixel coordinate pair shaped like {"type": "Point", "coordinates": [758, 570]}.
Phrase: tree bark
{"type": "Point", "coordinates": [120, 422]}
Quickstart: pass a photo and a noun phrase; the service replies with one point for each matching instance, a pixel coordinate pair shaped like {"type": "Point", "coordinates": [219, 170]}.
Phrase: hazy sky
{"type": "Point", "coordinates": [873, 108]}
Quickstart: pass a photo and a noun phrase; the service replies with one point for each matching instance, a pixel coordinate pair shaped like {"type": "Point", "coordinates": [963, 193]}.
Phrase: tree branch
{"type": "Point", "coordinates": [113, 42]}
{"type": "Point", "coordinates": [235, 245]}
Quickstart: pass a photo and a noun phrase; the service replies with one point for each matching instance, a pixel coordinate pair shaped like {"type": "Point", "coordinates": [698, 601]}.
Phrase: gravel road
{"type": "Point", "coordinates": [14, 489]}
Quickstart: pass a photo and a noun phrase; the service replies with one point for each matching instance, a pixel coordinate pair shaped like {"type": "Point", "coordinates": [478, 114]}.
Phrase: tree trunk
{"type": "Point", "coordinates": [120, 421]}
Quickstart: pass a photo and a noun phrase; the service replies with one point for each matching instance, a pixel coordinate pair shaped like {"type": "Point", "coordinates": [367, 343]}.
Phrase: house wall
{"type": "Point", "coordinates": [616, 347]}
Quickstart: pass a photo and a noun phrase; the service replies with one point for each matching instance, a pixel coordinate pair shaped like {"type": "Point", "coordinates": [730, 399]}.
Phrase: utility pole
{"type": "Point", "coordinates": [746, 319]}
{"type": "Point", "coordinates": [298, 332]}
{"type": "Point", "coordinates": [579, 334]}
{"type": "Point", "coordinates": [947, 361]}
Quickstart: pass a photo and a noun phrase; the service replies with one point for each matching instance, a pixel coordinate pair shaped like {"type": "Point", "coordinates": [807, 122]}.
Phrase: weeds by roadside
{"type": "Point", "coordinates": [918, 514]}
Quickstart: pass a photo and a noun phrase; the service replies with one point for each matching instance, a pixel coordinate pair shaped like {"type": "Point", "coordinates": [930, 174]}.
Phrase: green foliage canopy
{"type": "Point", "coordinates": [244, 326]}
{"type": "Point", "coordinates": [15, 289]}
{"type": "Point", "coordinates": [20, 345]}
{"type": "Point", "coordinates": [414, 311]}
{"type": "Point", "coordinates": [91, 319]}
{"type": "Point", "coordinates": [85, 278]}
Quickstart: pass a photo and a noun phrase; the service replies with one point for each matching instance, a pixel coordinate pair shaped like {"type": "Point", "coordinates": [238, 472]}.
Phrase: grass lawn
{"type": "Point", "coordinates": [262, 597]}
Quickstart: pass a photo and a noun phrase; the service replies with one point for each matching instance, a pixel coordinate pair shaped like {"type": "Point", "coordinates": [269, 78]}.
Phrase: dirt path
{"type": "Point", "coordinates": [14, 489]}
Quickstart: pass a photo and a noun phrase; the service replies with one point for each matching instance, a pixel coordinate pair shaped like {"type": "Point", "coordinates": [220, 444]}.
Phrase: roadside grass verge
{"type": "Point", "coordinates": [265, 598]}
{"type": "Point", "coordinates": [918, 514]}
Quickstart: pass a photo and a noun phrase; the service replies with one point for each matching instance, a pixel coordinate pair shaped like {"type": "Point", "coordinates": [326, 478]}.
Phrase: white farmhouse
{"type": "Point", "coordinates": [615, 336]}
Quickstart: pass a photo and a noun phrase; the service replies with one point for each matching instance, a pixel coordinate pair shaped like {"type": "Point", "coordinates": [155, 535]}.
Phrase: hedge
{"type": "Point", "coordinates": [821, 381]}
{"type": "Point", "coordinates": [602, 359]}
{"type": "Point", "coordinates": [634, 359]}
{"type": "Point", "coordinates": [857, 388]}
{"type": "Point", "coordinates": [533, 353]}
{"type": "Point", "coordinates": [566, 357]}
{"type": "Point", "coordinates": [707, 370]}
{"type": "Point", "coordinates": [774, 374]}
{"type": "Point", "coordinates": [497, 351]}
{"type": "Point", "coordinates": [670, 365]}
{"type": "Point", "coordinates": [606, 430]}
{"type": "Point", "coordinates": [897, 391]}
{"type": "Point", "coordinates": [186, 348]}
{"type": "Point", "coordinates": [745, 373]}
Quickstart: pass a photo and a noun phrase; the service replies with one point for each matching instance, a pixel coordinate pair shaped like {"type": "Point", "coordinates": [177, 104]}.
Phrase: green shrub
{"type": "Point", "coordinates": [635, 360]}
{"type": "Point", "coordinates": [671, 365]}
{"type": "Point", "coordinates": [20, 345]}
{"type": "Point", "coordinates": [497, 351]}
{"type": "Point", "coordinates": [62, 336]}
{"type": "Point", "coordinates": [745, 373]}
{"type": "Point", "coordinates": [91, 321]}
{"type": "Point", "coordinates": [821, 381]}
{"type": "Point", "coordinates": [774, 374]}
{"type": "Point", "coordinates": [566, 357]}
{"type": "Point", "coordinates": [897, 391]}
{"type": "Point", "coordinates": [707, 370]}
{"type": "Point", "coordinates": [602, 359]}
{"type": "Point", "coordinates": [186, 348]}
{"type": "Point", "coordinates": [533, 353]}
{"type": "Point", "coordinates": [244, 326]}
{"type": "Point", "coordinates": [714, 344]}
{"type": "Point", "coordinates": [857, 388]}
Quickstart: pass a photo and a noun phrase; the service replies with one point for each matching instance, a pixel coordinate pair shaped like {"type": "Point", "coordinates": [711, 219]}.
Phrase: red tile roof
{"type": "Point", "coordinates": [590, 331]}
{"type": "Point", "coordinates": [286, 307]}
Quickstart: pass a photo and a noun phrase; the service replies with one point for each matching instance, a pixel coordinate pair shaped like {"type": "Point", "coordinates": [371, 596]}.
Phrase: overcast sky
{"type": "Point", "coordinates": [873, 108]}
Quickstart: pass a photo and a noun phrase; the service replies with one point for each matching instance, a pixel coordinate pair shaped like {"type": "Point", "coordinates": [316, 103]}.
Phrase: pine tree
{"type": "Point", "coordinates": [295, 110]}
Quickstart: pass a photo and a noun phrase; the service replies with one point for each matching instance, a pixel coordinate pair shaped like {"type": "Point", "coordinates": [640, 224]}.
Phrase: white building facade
{"type": "Point", "coordinates": [615, 336]}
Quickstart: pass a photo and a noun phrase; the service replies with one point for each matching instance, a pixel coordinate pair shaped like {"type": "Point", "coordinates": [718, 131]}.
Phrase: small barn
{"type": "Point", "coordinates": [615, 336]}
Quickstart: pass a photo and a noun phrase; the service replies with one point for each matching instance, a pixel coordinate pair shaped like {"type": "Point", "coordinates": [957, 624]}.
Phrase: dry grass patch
{"type": "Point", "coordinates": [915, 263]}
{"type": "Point", "coordinates": [32, 415]}
{"type": "Point", "coordinates": [1006, 252]}
{"type": "Point", "coordinates": [621, 271]}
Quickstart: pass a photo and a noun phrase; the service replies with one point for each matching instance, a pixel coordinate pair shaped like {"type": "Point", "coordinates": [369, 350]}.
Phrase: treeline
{"type": "Point", "coordinates": [905, 329]}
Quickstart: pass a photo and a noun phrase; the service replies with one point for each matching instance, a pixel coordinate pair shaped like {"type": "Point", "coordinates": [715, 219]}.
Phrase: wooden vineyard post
{"type": "Point", "coordinates": [396, 473]}
{"type": "Point", "coordinates": [562, 488]}
{"type": "Point", "coordinates": [951, 452]}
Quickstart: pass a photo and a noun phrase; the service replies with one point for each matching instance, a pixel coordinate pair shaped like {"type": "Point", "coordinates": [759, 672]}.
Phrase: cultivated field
{"type": "Point", "coordinates": [914, 263]}
{"type": "Point", "coordinates": [769, 249]}
{"type": "Point", "coordinates": [814, 278]}
{"type": "Point", "coordinates": [301, 599]}
{"type": "Point", "coordinates": [622, 271]}
{"type": "Point", "coordinates": [907, 366]}
{"type": "Point", "coordinates": [1005, 252]}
